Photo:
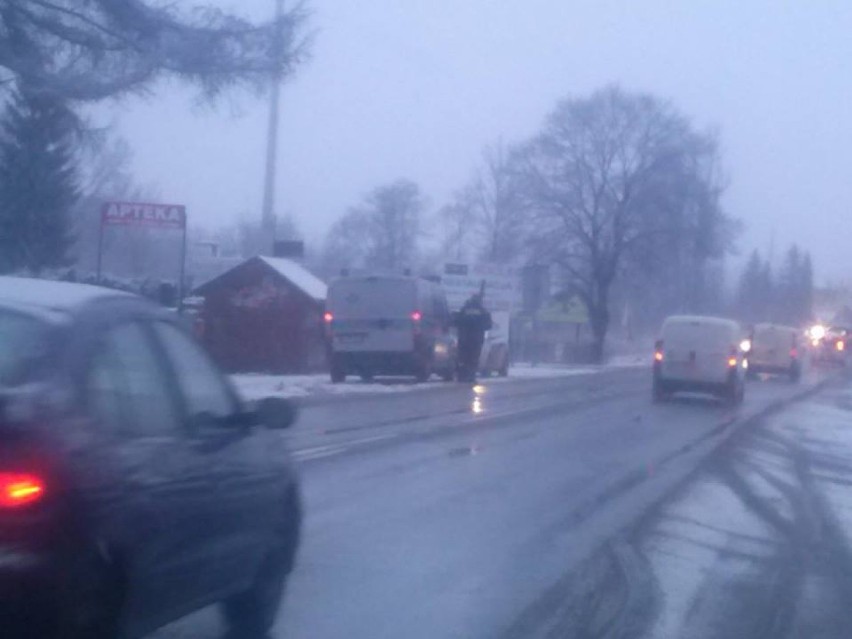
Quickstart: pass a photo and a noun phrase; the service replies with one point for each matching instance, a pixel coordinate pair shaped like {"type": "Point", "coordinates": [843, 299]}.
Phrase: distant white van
{"type": "Point", "coordinates": [774, 349]}
{"type": "Point", "coordinates": [699, 354]}
{"type": "Point", "coordinates": [389, 325]}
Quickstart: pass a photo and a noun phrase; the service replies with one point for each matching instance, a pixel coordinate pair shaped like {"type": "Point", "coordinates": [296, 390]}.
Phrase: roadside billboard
{"type": "Point", "coordinates": [145, 215]}
{"type": "Point", "coordinates": [502, 285]}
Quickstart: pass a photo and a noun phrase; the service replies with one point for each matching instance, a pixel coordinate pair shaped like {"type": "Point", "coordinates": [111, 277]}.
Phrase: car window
{"type": "Point", "coordinates": [128, 388]}
{"type": "Point", "coordinates": [202, 385]}
{"type": "Point", "coordinates": [23, 347]}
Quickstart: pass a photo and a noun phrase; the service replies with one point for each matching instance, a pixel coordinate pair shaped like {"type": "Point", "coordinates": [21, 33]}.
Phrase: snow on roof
{"type": "Point", "coordinates": [299, 276]}
{"type": "Point", "coordinates": [50, 294]}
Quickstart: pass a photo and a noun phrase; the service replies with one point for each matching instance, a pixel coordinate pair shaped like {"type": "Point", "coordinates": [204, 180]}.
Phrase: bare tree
{"type": "Point", "coordinates": [104, 48]}
{"type": "Point", "coordinates": [484, 219]}
{"type": "Point", "coordinates": [381, 233]}
{"type": "Point", "coordinates": [498, 206]}
{"type": "Point", "coordinates": [459, 225]}
{"type": "Point", "coordinates": [591, 181]}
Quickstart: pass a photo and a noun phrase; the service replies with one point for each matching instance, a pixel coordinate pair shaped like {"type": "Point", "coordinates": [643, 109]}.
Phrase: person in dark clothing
{"type": "Point", "coordinates": [471, 321]}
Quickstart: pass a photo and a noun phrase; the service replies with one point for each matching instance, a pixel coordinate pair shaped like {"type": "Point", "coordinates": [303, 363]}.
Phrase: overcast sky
{"type": "Point", "coordinates": [416, 88]}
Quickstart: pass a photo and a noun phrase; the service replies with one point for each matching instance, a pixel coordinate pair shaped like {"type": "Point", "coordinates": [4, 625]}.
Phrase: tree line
{"type": "Point", "coordinates": [58, 57]}
{"type": "Point", "coordinates": [617, 195]}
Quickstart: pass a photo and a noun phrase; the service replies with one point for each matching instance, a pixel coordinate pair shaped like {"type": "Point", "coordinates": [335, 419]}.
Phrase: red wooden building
{"type": "Point", "coordinates": [264, 315]}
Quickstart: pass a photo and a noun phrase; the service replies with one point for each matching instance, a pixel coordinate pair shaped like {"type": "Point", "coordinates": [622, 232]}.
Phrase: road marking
{"type": "Point", "coordinates": [328, 451]}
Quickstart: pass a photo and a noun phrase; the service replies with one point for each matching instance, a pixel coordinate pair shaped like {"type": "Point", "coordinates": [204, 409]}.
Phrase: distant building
{"type": "Point", "coordinates": [264, 315]}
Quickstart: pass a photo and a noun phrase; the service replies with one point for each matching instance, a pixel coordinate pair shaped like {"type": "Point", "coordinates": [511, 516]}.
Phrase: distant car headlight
{"type": "Point", "coordinates": [441, 349]}
{"type": "Point", "coordinates": [817, 332]}
{"type": "Point", "coordinates": [745, 345]}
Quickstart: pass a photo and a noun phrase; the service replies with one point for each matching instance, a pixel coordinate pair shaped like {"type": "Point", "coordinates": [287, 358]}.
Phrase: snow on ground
{"type": "Point", "coordinates": [635, 360]}
{"type": "Point", "coordinates": [257, 385]}
{"type": "Point", "coordinates": [777, 505]}
{"type": "Point", "coordinates": [707, 530]}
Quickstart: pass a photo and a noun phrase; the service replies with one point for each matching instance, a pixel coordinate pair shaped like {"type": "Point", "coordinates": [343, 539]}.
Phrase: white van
{"type": "Point", "coordinates": [388, 325]}
{"type": "Point", "coordinates": [495, 350]}
{"type": "Point", "coordinates": [774, 349]}
{"type": "Point", "coordinates": [699, 354]}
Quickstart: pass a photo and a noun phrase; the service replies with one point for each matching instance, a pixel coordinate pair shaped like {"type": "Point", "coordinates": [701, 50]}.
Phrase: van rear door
{"type": "Point", "coordinates": [373, 314]}
{"type": "Point", "coordinates": [696, 350]}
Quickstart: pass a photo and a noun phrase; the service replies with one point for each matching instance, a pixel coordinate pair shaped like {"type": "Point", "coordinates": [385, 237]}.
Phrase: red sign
{"type": "Point", "coordinates": [162, 216]}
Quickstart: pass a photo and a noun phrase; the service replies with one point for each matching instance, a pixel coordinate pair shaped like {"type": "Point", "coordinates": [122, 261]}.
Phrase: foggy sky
{"type": "Point", "coordinates": [416, 88]}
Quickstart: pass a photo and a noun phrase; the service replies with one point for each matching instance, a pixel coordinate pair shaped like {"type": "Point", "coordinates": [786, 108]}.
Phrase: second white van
{"type": "Point", "coordinates": [774, 349]}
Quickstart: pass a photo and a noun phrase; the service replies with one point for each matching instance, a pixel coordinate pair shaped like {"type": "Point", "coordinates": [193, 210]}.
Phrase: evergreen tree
{"type": "Point", "coordinates": [755, 295]}
{"type": "Point", "coordinates": [806, 311]}
{"type": "Point", "coordinates": [795, 290]}
{"type": "Point", "coordinates": [38, 182]}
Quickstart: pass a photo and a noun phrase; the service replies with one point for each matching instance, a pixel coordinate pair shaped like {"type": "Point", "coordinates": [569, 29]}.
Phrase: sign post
{"type": "Point", "coordinates": [145, 215]}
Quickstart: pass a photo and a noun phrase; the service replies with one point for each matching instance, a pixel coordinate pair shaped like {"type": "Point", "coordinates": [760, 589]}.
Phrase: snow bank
{"type": "Point", "coordinates": [254, 386]}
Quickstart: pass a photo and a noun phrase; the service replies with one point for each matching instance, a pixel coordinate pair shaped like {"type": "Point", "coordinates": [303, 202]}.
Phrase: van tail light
{"type": "Point", "coordinates": [328, 318]}
{"type": "Point", "coordinates": [416, 316]}
{"type": "Point", "coordinates": [732, 358]}
{"type": "Point", "coordinates": [794, 352]}
{"type": "Point", "coordinates": [841, 345]}
{"type": "Point", "coordinates": [20, 489]}
{"type": "Point", "coordinates": [658, 351]}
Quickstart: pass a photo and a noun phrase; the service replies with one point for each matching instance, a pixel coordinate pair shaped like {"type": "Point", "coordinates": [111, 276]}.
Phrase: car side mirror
{"type": "Point", "coordinates": [276, 413]}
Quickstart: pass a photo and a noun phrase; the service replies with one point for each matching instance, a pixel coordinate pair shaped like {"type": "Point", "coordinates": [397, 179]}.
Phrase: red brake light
{"type": "Point", "coordinates": [658, 356]}
{"type": "Point", "coordinates": [19, 489]}
{"type": "Point", "coordinates": [416, 316]}
{"type": "Point", "coordinates": [328, 317]}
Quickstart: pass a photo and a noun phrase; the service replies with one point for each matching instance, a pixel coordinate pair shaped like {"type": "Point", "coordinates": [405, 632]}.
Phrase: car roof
{"type": "Point", "coordinates": [768, 325]}
{"type": "Point", "coordinates": [50, 295]}
{"type": "Point", "coordinates": [701, 319]}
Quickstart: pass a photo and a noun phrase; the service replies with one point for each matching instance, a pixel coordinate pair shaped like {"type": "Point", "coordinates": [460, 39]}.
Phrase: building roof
{"type": "Point", "coordinates": [299, 276]}
{"type": "Point", "coordinates": [52, 295]}
{"type": "Point", "coordinates": [287, 269]}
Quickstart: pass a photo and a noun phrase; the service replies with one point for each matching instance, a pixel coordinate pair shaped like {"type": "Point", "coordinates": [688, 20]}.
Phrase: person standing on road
{"type": "Point", "coordinates": [472, 321]}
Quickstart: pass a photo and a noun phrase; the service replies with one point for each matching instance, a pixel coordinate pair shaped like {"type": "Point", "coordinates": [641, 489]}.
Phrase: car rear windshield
{"type": "Point", "coordinates": [23, 347]}
{"type": "Point", "coordinates": [372, 298]}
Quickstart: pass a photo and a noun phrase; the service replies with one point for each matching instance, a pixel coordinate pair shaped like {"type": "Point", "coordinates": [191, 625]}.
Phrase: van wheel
{"type": "Point", "coordinates": [338, 374]}
{"type": "Point", "coordinates": [795, 373]}
{"type": "Point", "coordinates": [504, 369]}
{"type": "Point", "coordinates": [735, 394]}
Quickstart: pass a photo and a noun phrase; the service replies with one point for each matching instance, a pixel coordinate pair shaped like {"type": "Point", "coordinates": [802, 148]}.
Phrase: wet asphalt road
{"type": "Point", "coordinates": [461, 512]}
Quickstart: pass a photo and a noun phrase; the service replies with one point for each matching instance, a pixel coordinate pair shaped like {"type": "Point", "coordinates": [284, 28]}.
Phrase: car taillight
{"type": "Point", "coordinates": [658, 351]}
{"type": "Point", "coordinates": [20, 489]}
{"type": "Point", "coordinates": [841, 345]}
{"type": "Point", "coordinates": [416, 316]}
{"type": "Point", "coordinates": [328, 317]}
{"type": "Point", "coordinates": [658, 356]}
{"type": "Point", "coordinates": [794, 353]}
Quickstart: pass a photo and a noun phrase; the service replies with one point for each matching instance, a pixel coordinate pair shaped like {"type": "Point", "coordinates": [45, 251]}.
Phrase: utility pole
{"type": "Point", "coordinates": [268, 212]}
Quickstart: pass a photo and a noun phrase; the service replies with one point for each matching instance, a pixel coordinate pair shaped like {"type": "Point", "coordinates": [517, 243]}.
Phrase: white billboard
{"type": "Point", "coordinates": [502, 285]}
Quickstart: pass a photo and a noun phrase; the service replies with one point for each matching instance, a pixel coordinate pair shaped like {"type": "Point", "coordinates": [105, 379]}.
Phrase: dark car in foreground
{"type": "Point", "coordinates": [135, 485]}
